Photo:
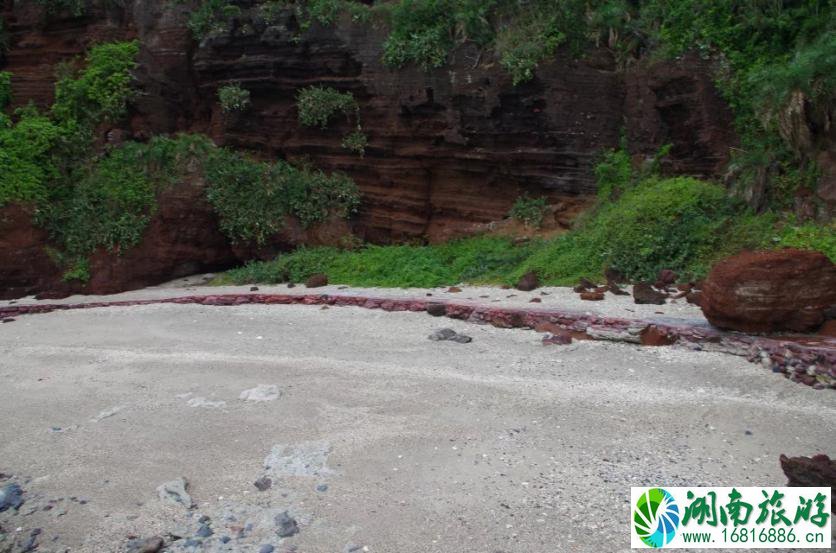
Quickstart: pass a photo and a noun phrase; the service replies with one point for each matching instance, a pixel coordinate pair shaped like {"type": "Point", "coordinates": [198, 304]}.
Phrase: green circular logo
{"type": "Point", "coordinates": [656, 517]}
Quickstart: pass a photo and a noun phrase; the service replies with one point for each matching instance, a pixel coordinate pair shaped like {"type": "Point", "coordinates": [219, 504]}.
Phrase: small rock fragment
{"type": "Point", "coordinates": [322, 488]}
{"type": "Point", "coordinates": [253, 288]}
{"type": "Point", "coordinates": [592, 296]}
{"type": "Point", "coordinates": [652, 335]}
{"type": "Point", "coordinates": [442, 334]}
{"type": "Point", "coordinates": [694, 298]}
{"type": "Point", "coordinates": [204, 531]}
{"type": "Point", "coordinates": [148, 545]}
{"type": "Point", "coordinates": [560, 337]}
{"type": "Point", "coordinates": [174, 492]}
{"type": "Point", "coordinates": [461, 339]}
{"type": "Point", "coordinates": [11, 497]}
{"type": "Point", "coordinates": [286, 526]}
{"type": "Point", "coordinates": [643, 293]}
{"type": "Point", "coordinates": [665, 278]}
{"type": "Point", "coordinates": [528, 282]}
{"type": "Point", "coordinates": [535, 300]}
{"type": "Point", "coordinates": [263, 483]}
{"type": "Point", "coordinates": [454, 289]}
{"type": "Point", "coordinates": [266, 548]}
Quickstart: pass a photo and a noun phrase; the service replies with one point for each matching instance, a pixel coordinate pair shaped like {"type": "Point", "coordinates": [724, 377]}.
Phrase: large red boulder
{"type": "Point", "coordinates": [770, 291]}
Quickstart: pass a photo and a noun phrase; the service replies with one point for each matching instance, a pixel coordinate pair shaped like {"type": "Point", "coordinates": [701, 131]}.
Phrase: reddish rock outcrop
{"type": "Point", "coordinates": [183, 238]}
{"type": "Point", "coordinates": [816, 471]}
{"type": "Point", "coordinates": [25, 266]}
{"type": "Point", "coordinates": [770, 291]}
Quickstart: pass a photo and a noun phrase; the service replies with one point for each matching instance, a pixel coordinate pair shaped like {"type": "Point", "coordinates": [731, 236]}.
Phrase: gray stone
{"type": "Point", "coordinates": [11, 497]}
{"type": "Point", "coordinates": [266, 548]}
{"type": "Point", "coordinates": [322, 488]}
{"type": "Point", "coordinates": [174, 492]}
{"type": "Point", "coordinates": [442, 334]}
{"type": "Point", "coordinates": [263, 483]}
{"type": "Point", "coordinates": [461, 339]}
{"type": "Point", "coordinates": [204, 531]}
{"type": "Point", "coordinates": [286, 526]}
{"type": "Point", "coordinates": [148, 545]}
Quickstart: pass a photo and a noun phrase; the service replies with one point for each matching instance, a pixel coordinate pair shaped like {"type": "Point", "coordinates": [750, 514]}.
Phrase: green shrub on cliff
{"type": "Point", "coordinates": [211, 16]}
{"type": "Point", "coordinates": [318, 105]}
{"type": "Point", "coordinates": [25, 157]}
{"type": "Point", "coordinates": [253, 198]}
{"type": "Point", "coordinates": [5, 89]}
{"type": "Point", "coordinates": [233, 98]}
{"type": "Point", "coordinates": [101, 91]}
{"type": "Point", "coordinates": [529, 211]}
{"type": "Point", "coordinates": [109, 206]}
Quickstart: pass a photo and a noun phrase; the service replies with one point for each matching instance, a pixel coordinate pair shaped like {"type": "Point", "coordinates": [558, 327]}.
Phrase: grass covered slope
{"type": "Point", "coordinates": [679, 223]}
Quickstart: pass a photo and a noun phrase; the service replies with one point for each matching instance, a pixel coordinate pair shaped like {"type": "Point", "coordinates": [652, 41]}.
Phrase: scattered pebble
{"type": "Point", "coordinates": [286, 525]}
{"type": "Point", "coordinates": [174, 492]}
{"type": "Point", "coordinates": [448, 334]}
{"type": "Point", "coordinates": [11, 497]}
{"type": "Point", "coordinates": [263, 483]}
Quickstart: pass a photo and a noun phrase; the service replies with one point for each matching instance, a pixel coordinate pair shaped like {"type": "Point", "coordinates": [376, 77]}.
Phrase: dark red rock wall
{"type": "Point", "coordinates": [449, 149]}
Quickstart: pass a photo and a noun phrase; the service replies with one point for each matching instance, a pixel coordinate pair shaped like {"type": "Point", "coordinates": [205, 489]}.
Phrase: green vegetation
{"type": "Point", "coordinates": [682, 223]}
{"type": "Point", "coordinates": [529, 211]}
{"type": "Point", "coordinates": [254, 198]}
{"type": "Point", "coordinates": [233, 98]}
{"type": "Point", "coordinates": [5, 89]}
{"type": "Point", "coordinates": [101, 91]}
{"type": "Point", "coordinates": [356, 141]}
{"type": "Point", "coordinates": [26, 157]}
{"type": "Point", "coordinates": [318, 105]}
{"type": "Point", "coordinates": [89, 201]}
{"type": "Point", "coordinates": [648, 223]}
{"type": "Point", "coordinates": [212, 17]}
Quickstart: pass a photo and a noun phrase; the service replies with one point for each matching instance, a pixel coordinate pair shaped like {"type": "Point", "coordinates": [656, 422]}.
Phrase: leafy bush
{"type": "Point", "coordinates": [211, 16]}
{"type": "Point", "coordinates": [233, 98]}
{"type": "Point", "coordinates": [25, 150]}
{"type": "Point", "coordinates": [100, 92]}
{"type": "Point", "coordinates": [5, 89]}
{"type": "Point", "coordinates": [253, 198]}
{"type": "Point", "coordinates": [529, 211]}
{"type": "Point", "coordinates": [356, 141]}
{"type": "Point", "coordinates": [318, 105]}
{"type": "Point", "coordinates": [613, 174]}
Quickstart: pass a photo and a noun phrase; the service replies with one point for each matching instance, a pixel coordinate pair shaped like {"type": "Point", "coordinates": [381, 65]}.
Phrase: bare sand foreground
{"type": "Point", "coordinates": [373, 438]}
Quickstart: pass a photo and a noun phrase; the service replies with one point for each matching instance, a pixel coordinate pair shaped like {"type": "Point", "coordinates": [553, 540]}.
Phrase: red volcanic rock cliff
{"type": "Point", "coordinates": [448, 148]}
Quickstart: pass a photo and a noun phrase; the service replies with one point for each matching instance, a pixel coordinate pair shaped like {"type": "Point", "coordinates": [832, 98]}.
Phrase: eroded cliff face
{"type": "Point", "coordinates": [448, 149]}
